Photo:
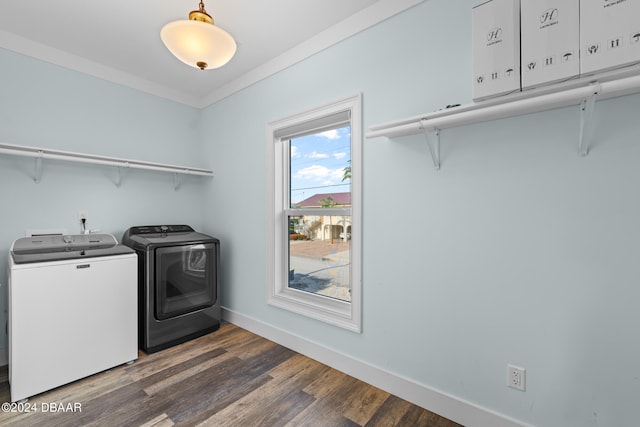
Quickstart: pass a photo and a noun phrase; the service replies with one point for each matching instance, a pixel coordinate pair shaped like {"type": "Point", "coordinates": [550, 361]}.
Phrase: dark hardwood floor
{"type": "Point", "coordinates": [228, 378]}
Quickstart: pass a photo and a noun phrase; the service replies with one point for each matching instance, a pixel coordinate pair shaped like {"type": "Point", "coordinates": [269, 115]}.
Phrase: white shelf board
{"type": "Point", "coordinates": [44, 153]}
{"type": "Point", "coordinates": [573, 92]}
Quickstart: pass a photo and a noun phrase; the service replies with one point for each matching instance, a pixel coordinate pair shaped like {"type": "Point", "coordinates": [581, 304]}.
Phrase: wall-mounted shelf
{"type": "Point", "coordinates": [44, 153]}
{"type": "Point", "coordinates": [582, 92]}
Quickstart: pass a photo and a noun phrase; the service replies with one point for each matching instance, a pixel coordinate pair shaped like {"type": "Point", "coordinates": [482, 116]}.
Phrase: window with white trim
{"type": "Point", "coordinates": [314, 213]}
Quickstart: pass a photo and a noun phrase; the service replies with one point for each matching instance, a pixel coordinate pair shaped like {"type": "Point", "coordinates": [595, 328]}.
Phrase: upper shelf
{"type": "Point", "coordinates": [45, 153]}
{"type": "Point", "coordinates": [574, 92]}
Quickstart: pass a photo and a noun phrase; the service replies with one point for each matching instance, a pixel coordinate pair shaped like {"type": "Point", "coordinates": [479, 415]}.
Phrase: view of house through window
{"type": "Point", "coordinates": [314, 208]}
{"type": "Point", "coordinates": [319, 217]}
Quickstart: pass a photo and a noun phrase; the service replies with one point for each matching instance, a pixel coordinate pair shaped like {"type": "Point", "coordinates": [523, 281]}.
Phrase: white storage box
{"type": "Point", "coordinates": [496, 48]}
{"type": "Point", "coordinates": [609, 34]}
{"type": "Point", "coordinates": [550, 41]}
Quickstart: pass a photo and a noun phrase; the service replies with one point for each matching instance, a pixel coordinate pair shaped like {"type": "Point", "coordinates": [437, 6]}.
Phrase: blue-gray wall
{"type": "Point", "coordinates": [46, 106]}
{"type": "Point", "coordinates": [517, 251]}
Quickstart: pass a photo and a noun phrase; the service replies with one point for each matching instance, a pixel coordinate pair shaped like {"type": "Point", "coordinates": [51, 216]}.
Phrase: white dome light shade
{"type": "Point", "coordinates": [198, 44]}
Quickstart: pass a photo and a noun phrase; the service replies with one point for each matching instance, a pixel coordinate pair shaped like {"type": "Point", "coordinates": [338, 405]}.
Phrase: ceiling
{"type": "Point", "coordinates": [119, 40]}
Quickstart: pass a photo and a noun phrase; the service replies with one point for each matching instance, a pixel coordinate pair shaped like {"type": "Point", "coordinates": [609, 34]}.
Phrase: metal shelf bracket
{"type": "Point", "coordinates": [587, 109]}
{"type": "Point", "coordinates": [433, 142]}
{"type": "Point", "coordinates": [120, 173]}
{"type": "Point", "coordinates": [37, 168]}
{"type": "Point", "coordinates": [176, 181]}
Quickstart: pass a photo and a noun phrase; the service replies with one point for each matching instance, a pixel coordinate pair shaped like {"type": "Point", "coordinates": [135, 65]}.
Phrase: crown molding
{"type": "Point", "coordinates": [366, 18]}
{"type": "Point", "coordinates": [23, 46]}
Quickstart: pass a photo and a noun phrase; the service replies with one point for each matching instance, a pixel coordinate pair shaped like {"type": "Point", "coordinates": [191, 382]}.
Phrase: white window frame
{"type": "Point", "coordinates": [340, 313]}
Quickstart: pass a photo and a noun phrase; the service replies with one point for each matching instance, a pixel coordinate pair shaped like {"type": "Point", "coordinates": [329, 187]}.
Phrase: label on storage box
{"type": "Point", "coordinates": [550, 31]}
{"type": "Point", "coordinates": [496, 48]}
{"type": "Point", "coordinates": [610, 34]}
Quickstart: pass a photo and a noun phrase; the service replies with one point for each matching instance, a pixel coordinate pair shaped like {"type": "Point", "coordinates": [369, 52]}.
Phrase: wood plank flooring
{"type": "Point", "coordinates": [228, 378]}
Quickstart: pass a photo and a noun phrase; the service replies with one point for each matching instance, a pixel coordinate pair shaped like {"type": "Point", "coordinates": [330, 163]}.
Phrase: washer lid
{"type": "Point", "coordinates": [56, 248]}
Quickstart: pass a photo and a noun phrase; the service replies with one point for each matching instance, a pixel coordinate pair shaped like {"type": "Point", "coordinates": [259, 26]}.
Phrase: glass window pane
{"type": "Point", "coordinates": [320, 255]}
{"type": "Point", "coordinates": [320, 169]}
{"type": "Point", "coordinates": [184, 276]}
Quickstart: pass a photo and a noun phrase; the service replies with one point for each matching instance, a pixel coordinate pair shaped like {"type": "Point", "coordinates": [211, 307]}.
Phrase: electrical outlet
{"type": "Point", "coordinates": [83, 215]}
{"type": "Point", "coordinates": [516, 377]}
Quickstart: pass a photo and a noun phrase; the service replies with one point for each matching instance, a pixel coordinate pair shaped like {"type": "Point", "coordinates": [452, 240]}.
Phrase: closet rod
{"type": "Point", "coordinates": [45, 153]}
{"type": "Point", "coordinates": [478, 113]}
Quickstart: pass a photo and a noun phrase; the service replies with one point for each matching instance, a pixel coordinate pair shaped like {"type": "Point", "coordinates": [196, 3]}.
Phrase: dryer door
{"type": "Point", "coordinates": [185, 279]}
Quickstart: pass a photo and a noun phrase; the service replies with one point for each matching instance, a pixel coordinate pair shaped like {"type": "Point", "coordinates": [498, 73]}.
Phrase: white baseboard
{"type": "Point", "coordinates": [448, 406]}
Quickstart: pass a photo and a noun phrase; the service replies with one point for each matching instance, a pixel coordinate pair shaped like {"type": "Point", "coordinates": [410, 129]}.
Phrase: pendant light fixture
{"type": "Point", "coordinates": [197, 42]}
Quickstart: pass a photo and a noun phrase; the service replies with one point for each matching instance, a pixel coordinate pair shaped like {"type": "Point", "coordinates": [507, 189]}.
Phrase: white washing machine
{"type": "Point", "coordinates": [72, 310]}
